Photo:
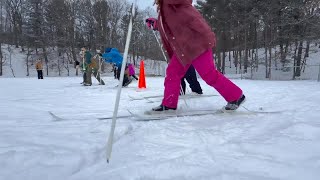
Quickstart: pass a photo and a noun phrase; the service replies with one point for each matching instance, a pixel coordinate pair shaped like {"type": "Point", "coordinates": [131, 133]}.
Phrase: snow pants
{"type": "Point", "coordinates": [204, 64]}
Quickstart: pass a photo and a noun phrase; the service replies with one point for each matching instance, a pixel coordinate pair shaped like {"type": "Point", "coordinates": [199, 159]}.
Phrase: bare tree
{"type": "Point", "coordinates": [14, 11]}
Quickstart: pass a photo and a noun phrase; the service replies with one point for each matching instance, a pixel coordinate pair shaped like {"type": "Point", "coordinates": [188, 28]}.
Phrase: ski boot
{"type": "Point", "coordinates": [234, 105]}
{"type": "Point", "coordinates": [162, 108]}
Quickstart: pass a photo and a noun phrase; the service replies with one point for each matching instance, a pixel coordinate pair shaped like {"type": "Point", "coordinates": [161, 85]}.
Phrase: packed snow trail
{"type": "Point", "coordinates": [34, 146]}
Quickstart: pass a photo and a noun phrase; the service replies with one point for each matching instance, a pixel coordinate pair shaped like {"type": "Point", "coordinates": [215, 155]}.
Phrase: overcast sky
{"type": "Point", "coordinates": [142, 4]}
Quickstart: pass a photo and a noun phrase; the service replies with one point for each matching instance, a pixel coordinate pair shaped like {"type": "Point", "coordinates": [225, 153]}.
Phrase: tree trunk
{"type": "Point", "coordinates": [27, 61]}
{"type": "Point", "coordinates": [266, 60]}
{"type": "Point", "coordinates": [236, 59]}
{"type": "Point", "coordinates": [270, 62]}
{"type": "Point", "coordinates": [298, 60]}
{"type": "Point", "coordinates": [46, 59]}
{"type": "Point", "coordinates": [1, 57]}
{"type": "Point", "coordinates": [230, 58]}
{"type": "Point", "coordinates": [294, 60]}
{"type": "Point", "coordinates": [223, 62]}
{"type": "Point", "coordinates": [10, 60]}
{"type": "Point", "coordinates": [245, 63]}
{"type": "Point", "coordinates": [219, 60]}
{"type": "Point", "coordinates": [306, 55]}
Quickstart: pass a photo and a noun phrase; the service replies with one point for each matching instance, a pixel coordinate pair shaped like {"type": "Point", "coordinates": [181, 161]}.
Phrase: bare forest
{"type": "Point", "coordinates": [283, 29]}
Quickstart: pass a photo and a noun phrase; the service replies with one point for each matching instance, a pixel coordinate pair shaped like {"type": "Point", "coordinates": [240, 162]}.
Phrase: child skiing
{"type": "Point", "coordinates": [188, 39]}
{"type": "Point", "coordinates": [86, 59]}
{"type": "Point", "coordinates": [132, 71]}
{"type": "Point", "coordinates": [96, 63]}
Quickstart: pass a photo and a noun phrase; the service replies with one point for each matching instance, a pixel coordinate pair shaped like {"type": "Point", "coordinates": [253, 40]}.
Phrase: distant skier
{"type": "Point", "coordinates": [112, 55]}
{"type": "Point", "coordinates": [95, 65]}
{"type": "Point", "coordinates": [39, 68]}
{"type": "Point", "coordinates": [191, 78]}
{"type": "Point", "coordinates": [132, 71]}
{"type": "Point", "coordinates": [87, 71]}
{"type": "Point", "coordinates": [188, 39]}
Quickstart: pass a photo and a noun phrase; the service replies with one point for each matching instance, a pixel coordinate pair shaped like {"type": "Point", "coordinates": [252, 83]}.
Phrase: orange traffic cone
{"type": "Point", "coordinates": [142, 77]}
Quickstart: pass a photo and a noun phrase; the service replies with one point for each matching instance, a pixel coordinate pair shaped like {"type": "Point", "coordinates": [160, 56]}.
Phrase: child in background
{"type": "Point", "coordinates": [132, 71]}
{"type": "Point", "coordinates": [112, 55]}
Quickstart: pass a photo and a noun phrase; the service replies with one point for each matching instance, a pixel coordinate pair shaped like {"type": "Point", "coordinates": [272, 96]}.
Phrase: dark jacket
{"type": "Point", "coordinates": [88, 57]}
{"type": "Point", "coordinates": [184, 32]}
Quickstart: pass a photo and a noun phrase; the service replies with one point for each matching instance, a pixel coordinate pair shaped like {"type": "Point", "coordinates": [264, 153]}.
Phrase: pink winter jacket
{"type": "Point", "coordinates": [131, 69]}
{"type": "Point", "coordinates": [184, 32]}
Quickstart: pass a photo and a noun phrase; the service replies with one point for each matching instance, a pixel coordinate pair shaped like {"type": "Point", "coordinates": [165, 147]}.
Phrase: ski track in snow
{"type": "Point", "coordinates": [70, 142]}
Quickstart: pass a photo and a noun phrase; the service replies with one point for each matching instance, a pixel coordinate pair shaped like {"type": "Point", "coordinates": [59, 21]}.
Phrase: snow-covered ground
{"type": "Point", "coordinates": [49, 129]}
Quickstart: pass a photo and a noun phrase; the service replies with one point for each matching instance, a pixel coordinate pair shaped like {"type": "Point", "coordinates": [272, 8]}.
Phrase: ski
{"type": "Point", "coordinates": [187, 96]}
{"type": "Point", "coordinates": [119, 117]}
{"type": "Point", "coordinates": [152, 115]}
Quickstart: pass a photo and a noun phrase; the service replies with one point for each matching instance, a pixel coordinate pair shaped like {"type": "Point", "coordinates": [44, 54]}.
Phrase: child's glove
{"type": "Point", "coordinates": [152, 23]}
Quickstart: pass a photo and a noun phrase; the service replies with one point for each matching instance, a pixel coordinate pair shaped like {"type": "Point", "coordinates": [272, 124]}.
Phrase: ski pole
{"type": "Point", "coordinates": [164, 55]}
{"type": "Point", "coordinates": [115, 112]}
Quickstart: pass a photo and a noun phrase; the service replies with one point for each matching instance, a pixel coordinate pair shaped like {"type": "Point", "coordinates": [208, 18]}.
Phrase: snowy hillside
{"type": "Point", "coordinates": [49, 129]}
{"type": "Point", "coordinates": [157, 68]}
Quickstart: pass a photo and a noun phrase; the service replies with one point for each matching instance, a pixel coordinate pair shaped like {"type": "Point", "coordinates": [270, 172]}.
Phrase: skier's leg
{"type": "Point", "coordinates": [88, 76]}
{"type": "Point", "coordinates": [38, 72]}
{"type": "Point", "coordinates": [175, 71]}
{"type": "Point", "coordinates": [84, 77]}
{"type": "Point", "coordinates": [125, 80]}
{"type": "Point", "coordinates": [204, 64]}
{"type": "Point", "coordinates": [97, 75]}
{"type": "Point", "coordinates": [191, 78]}
{"type": "Point", "coordinates": [118, 74]}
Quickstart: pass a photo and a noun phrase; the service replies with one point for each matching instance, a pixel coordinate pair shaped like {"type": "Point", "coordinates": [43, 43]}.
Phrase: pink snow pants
{"type": "Point", "coordinates": [204, 64]}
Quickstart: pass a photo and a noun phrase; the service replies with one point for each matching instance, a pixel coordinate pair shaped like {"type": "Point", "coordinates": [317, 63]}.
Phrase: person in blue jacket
{"type": "Point", "coordinates": [112, 55]}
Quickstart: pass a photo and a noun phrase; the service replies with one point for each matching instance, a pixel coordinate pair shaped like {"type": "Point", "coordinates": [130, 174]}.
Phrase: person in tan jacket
{"type": "Point", "coordinates": [39, 68]}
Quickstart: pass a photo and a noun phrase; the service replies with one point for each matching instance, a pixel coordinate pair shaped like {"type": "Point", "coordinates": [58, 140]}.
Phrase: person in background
{"type": "Point", "coordinates": [95, 65]}
{"type": "Point", "coordinates": [191, 78]}
{"type": "Point", "coordinates": [189, 40]}
{"type": "Point", "coordinates": [132, 71]}
{"type": "Point", "coordinates": [39, 68]}
{"type": "Point", "coordinates": [112, 55]}
{"type": "Point", "coordinates": [87, 70]}
{"type": "Point", "coordinates": [83, 64]}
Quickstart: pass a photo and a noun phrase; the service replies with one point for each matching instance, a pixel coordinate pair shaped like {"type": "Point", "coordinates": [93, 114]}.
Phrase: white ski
{"type": "Point", "coordinates": [152, 115]}
{"type": "Point", "coordinates": [187, 96]}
